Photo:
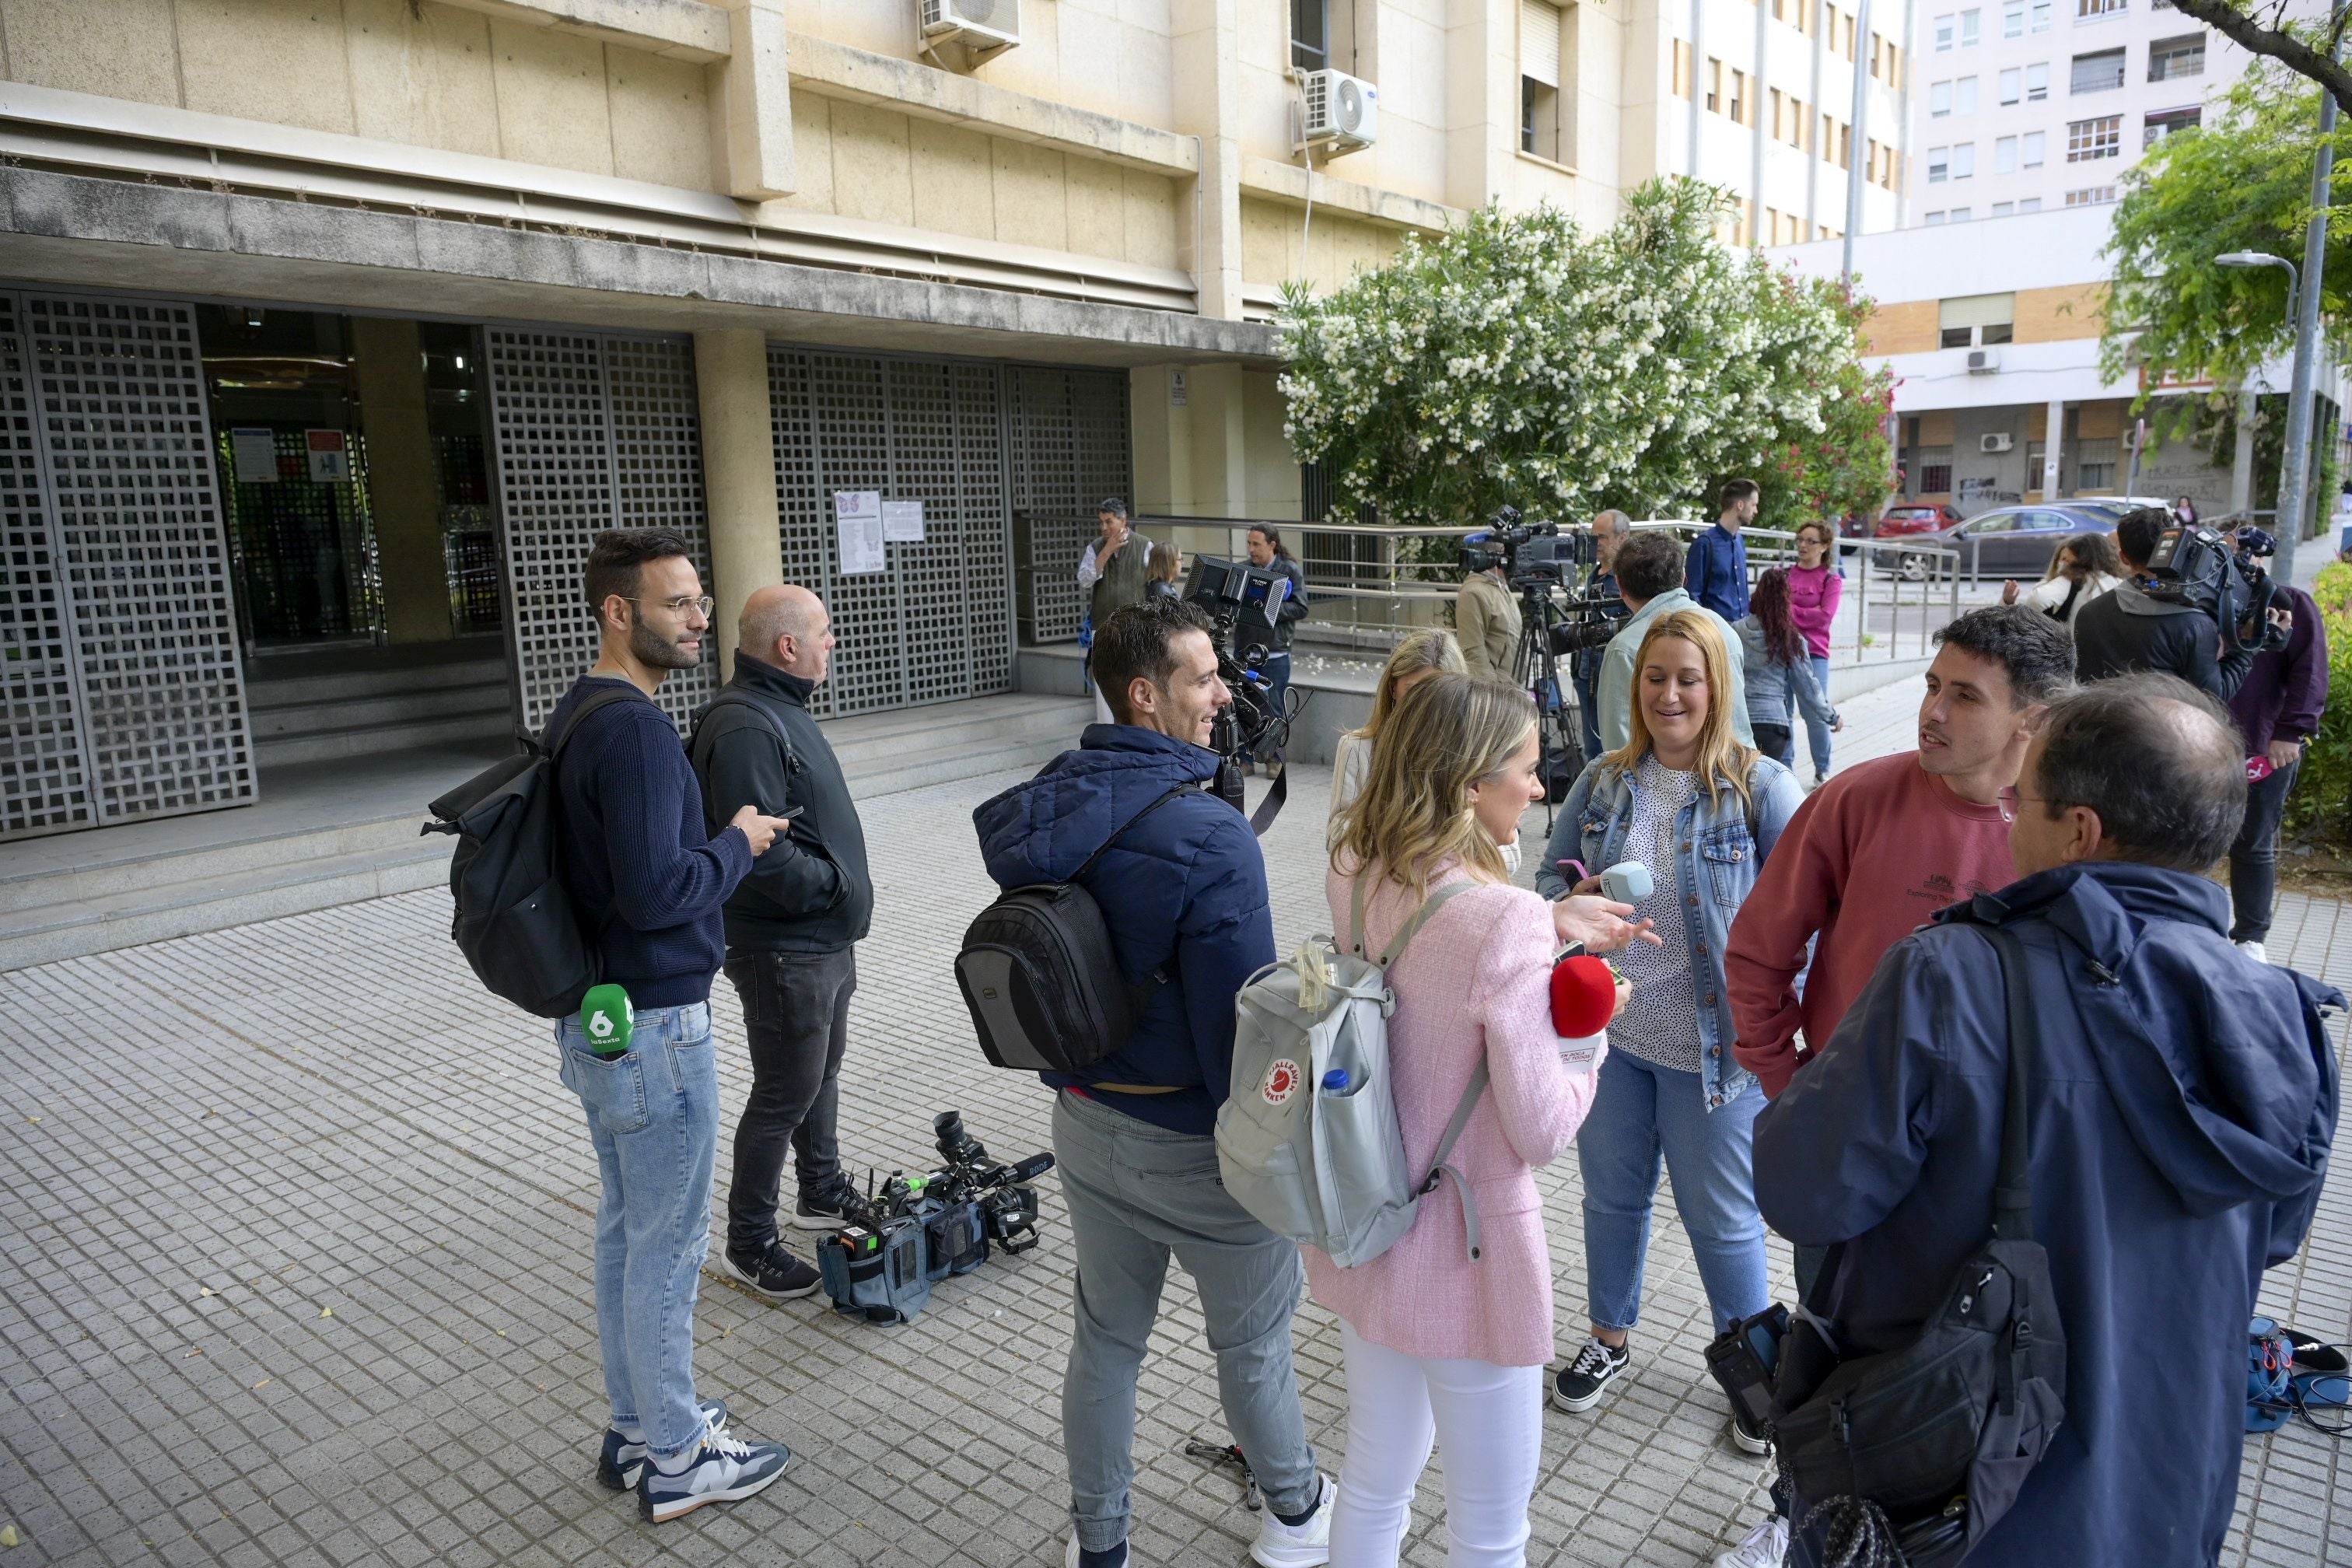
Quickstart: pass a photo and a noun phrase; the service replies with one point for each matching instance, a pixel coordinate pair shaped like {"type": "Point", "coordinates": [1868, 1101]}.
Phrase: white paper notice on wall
{"type": "Point", "coordinates": [331, 457]}
{"type": "Point", "coordinates": [902, 522]}
{"type": "Point", "coordinates": [252, 450]}
{"type": "Point", "coordinates": [858, 515]}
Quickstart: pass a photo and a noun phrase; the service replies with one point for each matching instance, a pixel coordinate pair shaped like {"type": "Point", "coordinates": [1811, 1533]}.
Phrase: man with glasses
{"type": "Point", "coordinates": [647, 876]}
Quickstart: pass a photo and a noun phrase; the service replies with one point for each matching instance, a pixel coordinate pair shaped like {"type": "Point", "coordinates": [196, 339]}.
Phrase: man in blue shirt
{"type": "Point", "coordinates": [639, 860]}
{"type": "Point", "coordinates": [1716, 571]}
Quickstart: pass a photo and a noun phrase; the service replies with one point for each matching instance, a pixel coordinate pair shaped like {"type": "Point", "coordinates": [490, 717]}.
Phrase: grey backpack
{"type": "Point", "coordinates": [1307, 1138]}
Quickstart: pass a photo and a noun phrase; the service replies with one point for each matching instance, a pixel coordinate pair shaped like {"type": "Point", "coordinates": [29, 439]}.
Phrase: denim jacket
{"type": "Point", "coordinates": [1718, 857]}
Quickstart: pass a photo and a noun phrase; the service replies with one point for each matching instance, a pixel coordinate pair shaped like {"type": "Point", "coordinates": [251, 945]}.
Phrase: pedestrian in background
{"type": "Point", "coordinates": [1715, 570]}
{"type": "Point", "coordinates": [2278, 711]}
{"type": "Point", "coordinates": [1267, 551]}
{"type": "Point", "coordinates": [1111, 573]}
{"type": "Point", "coordinates": [1419, 655]}
{"type": "Point", "coordinates": [1702, 810]}
{"type": "Point", "coordinates": [1816, 585]}
{"type": "Point", "coordinates": [1488, 616]}
{"type": "Point", "coordinates": [1441, 1346]}
{"type": "Point", "coordinates": [1161, 578]}
{"type": "Point", "coordinates": [2081, 570]}
{"type": "Point", "coordinates": [1611, 529]}
{"type": "Point", "coordinates": [1650, 581]}
{"type": "Point", "coordinates": [1779, 672]}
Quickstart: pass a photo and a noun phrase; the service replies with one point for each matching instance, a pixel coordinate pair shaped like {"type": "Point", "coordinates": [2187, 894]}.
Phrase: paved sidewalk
{"type": "Point", "coordinates": [294, 1233]}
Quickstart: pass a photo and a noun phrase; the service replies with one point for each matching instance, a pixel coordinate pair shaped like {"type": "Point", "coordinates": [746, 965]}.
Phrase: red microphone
{"type": "Point", "coordinates": [1583, 996]}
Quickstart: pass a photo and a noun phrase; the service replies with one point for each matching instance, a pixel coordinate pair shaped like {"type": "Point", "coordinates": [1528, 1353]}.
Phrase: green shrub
{"type": "Point", "coordinates": [2321, 807]}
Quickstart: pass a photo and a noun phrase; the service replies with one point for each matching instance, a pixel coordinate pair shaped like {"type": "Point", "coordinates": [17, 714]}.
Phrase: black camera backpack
{"type": "Point", "coordinates": [1911, 1455]}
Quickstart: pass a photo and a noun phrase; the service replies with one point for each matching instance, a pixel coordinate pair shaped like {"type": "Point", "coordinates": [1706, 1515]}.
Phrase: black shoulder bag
{"type": "Point", "coordinates": [1909, 1456]}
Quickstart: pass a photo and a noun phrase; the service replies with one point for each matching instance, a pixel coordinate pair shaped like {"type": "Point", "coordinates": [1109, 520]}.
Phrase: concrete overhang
{"type": "Point", "coordinates": [87, 232]}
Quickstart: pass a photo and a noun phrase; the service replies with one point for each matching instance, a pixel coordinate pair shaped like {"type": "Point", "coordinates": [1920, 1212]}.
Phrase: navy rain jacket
{"type": "Point", "coordinates": [1185, 889]}
{"type": "Point", "coordinates": [2183, 1105]}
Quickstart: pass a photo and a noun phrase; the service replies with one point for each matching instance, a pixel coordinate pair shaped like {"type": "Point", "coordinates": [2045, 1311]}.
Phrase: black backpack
{"type": "Point", "coordinates": [1040, 976]}
{"type": "Point", "coordinates": [515, 921]}
{"type": "Point", "coordinates": [1911, 1455]}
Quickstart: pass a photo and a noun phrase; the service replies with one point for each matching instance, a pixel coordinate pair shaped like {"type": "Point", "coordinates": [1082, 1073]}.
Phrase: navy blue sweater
{"type": "Point", "coordinates": [637, 860]}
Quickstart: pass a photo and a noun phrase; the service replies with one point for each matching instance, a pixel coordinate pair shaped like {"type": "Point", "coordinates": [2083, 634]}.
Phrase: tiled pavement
{"type": "Point", "coordinates": [294, 1226]}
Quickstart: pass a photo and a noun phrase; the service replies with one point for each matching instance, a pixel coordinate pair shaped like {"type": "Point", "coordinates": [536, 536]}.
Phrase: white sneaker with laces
{"type": "Point", "coordinates": [724, 1470]}
{"type": "Point", "coordinates": [1306, 1545]}
{"type": "Point", "coordinates": [1763, 1547]}
{"type": "Point", "coordinates": [2255, 951]}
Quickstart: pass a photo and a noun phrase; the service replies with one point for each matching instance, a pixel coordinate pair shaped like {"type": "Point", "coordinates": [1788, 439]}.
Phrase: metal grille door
{"type": "Point", "coordinates": [44, 774]}
{"type": "Point", "coordinates": [138, 557]}
{"type": "Point", "coordinates": [1068, 445]}
{"type": "Point", "coordinates": [593, 431]}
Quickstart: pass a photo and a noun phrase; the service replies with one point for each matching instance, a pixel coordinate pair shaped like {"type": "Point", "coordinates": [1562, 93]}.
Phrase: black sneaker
{"type": "Point", "coordinates": [1750, 1435]}
{"type": "Point", "coordinates": [820, 1207]}
{"type": "Point", "coordinates": [775, 1274]}
{"type": "Point", "coordinates": [1578, 1384]}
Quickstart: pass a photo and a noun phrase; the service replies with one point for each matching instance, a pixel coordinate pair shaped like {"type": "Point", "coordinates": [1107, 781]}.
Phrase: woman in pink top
{"type": "Point", "coordinates": [1814, 588]}
{"type": "Point", "coordinates": [1441, 1347]}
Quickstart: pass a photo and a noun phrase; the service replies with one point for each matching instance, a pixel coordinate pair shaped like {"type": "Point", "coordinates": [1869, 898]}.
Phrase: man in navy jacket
{"type": "Point", "coordinates": [2183, 1102]}
{"type": "Point", "coordinates": [1715, 572]}
{"type": "Point", "coordinates": [1182, 889]}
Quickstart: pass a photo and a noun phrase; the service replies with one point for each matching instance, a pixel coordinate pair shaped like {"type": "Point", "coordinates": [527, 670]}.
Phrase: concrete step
{"type": "Point", "coordinates": [374, 740]}
{"type": "Point", "coordinates": [270, 690]}
{"type": "Point", "coordinates": [102, 878]}
{"type": "Point", "coordinates": [278, 721]}
{"type": "Point", "coordinates": [868, 740]}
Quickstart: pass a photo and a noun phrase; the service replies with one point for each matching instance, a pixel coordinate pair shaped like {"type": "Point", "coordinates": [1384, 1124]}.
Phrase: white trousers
{"type": "Point", "coordinates": [1489, 1420]}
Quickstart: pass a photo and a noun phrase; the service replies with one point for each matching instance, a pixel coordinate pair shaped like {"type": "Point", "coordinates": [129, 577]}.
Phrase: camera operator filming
{"type": "Point", "coordinates": [2197, 606]}
{"type": "Point", "coordinates": [1247, 606]}
{"type": "Point", "coordinates": [1534, 561]}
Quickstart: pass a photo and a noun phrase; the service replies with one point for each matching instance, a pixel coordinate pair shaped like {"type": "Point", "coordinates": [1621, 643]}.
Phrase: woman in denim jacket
{"type": "Point", "coordinates": [1701, 811]}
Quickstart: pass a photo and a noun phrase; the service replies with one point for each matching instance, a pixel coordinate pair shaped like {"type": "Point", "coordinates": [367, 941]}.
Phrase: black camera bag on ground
{"type": "Point", "coordinates": [1911, 1455]}
{"type": "Point", "coordinates": [1038, 973]}
{"type": "Point", "coordinates": [515, 923]}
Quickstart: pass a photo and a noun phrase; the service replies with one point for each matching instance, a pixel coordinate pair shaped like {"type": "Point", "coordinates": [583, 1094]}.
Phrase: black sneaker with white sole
{"type": "Point", "coordinates": [820, 1207]}
{"type": "Point", "coordinates": [775, 1273]}
{"type": "Point", "coordinates": [723, 1469]}
{"type": "Point", "coordinates": [1577, 1386]}
{"type": "Point", "coordinates": [617, 1462]}
{"type": "Point", "coordinates": [1750, 1435]}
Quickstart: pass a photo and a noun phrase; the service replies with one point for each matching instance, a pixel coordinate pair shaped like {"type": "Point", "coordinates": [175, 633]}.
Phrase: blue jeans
{"type": "Point", "coordinates": [1641, 1111]}
{"type": "Point", "coordinates": [653, 1115]}
{"type": "Point", "coordinates": [1816, 732]}
{"type": "Point", "coordinates": [1588, 711]}
{"type": "Point", "coordinates": [1277, 670]}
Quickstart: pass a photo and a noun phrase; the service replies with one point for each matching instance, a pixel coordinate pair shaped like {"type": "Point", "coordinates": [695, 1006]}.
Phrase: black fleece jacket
{"type": "Point", "coordinates": [811, 892]}
{"type": "Point", "coordinates": [2126, 630]}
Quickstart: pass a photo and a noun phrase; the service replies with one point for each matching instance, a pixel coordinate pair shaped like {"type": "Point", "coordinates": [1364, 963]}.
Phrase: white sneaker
{"type": "Point", "coordinates": [1307, 1545]}
{"type": "Point", "coordinates": [1763, 1547]}
{"type": "Point", "coordinates": [2255, 951]}
{"type": "Point", "coordinates": [724, 1470]}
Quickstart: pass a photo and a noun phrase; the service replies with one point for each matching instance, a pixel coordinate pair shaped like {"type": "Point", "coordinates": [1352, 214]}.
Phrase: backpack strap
{"type": "Point", "coordinates": [603, 697]}
{"type": "Point", "coordinates": [2013, 1192]}
{"type": "Point", "coordinates": [1138, 993]}
{"type": "Point", "coordinates": [1429, 906]}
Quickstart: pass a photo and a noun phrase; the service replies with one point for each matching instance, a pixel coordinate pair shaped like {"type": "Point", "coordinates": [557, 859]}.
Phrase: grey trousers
{"type": "Point", "coordinates": [1138, 1193]}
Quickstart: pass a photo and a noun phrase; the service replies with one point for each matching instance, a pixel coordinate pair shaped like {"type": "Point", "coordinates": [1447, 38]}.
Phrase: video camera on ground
{"type": "Point", "coordinates": [1243, 602]}
{"type": "Point", "coordinates": [2210, 571]}
{"type": "Point", "coordinates": [898, 1239]}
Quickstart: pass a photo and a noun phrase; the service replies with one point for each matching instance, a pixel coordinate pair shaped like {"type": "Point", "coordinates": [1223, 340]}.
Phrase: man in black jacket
{"type": "Point", "coordinates": [791, 928]}
{"type": "Point", "coordinates": [2126, 630]}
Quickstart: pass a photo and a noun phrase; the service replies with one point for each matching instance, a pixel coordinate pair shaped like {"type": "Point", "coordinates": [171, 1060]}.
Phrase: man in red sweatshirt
{"type": "Point", "coordinates": [1883, 845]}
{"type": "Point", "coordinates": [1875, 851]}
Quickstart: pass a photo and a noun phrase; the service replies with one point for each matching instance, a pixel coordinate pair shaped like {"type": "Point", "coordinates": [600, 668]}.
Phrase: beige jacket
{"type": "Point", "coordinates": [1487, 619]}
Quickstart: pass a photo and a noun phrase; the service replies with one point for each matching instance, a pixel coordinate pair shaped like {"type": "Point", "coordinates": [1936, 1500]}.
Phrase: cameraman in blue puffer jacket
{"type": "Point", "coordinates": [1182, 890]}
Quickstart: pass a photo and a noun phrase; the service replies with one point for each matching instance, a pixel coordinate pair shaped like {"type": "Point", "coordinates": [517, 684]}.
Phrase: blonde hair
{"type": "Point", "coordinates": [1428, 647]}
{"type": "Point", "coordinates": [1166, 562]}
{"type": "Point", "coordinates": [1446, 734]}
{"type": "Point", "coordinates": [1724, 761]}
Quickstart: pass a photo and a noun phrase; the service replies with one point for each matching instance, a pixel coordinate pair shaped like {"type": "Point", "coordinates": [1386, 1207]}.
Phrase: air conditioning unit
{"type": "Point", "coordinates": [1341, 114]}
{"type": "Point", "coordinates": [1999, 441]}
{"type": "Point", "coordinates": [1983, 362]}
{"type": "Point", "coordinates": [981, 26]}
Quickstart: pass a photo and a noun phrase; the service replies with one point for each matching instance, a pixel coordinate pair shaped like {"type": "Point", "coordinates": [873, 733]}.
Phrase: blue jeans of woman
{"type": "Point", "coordinates": [1277, 670]}
{"type": "Point", "coordinates": [1643, 1111]}
{"type": "Point", "coordinates": [653, 1116]}
{"type": "Point", "coordinates": [1816, 732]}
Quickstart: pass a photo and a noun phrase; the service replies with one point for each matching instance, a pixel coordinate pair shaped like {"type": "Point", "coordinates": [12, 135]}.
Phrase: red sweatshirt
{"type": "Point", "coordinates": [1866, 860]}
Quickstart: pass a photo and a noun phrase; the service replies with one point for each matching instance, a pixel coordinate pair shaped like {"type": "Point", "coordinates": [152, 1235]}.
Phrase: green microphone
{"type": "Point", "coordinates": [607, 1019]}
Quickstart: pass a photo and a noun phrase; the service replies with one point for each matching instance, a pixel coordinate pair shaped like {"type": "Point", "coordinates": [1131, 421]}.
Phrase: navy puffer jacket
{"type": "Point", "coordinates": [1184, 889]}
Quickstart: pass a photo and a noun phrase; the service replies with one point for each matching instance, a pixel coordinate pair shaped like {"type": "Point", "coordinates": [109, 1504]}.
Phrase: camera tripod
{"type": "Point", "coordinates": [1535, 669]}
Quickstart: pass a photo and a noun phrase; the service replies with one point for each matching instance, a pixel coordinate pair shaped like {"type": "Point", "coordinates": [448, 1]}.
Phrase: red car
{"type": "Point", "coordinates": [1917, 517]}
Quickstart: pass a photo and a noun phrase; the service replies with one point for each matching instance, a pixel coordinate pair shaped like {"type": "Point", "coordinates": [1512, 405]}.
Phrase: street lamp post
{"type": "Point", "coordinates": [2289, 518]}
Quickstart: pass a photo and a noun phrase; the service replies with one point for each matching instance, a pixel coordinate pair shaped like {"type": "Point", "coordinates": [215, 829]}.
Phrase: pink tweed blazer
{"type": "Point", "coordinates": [1475, 982]}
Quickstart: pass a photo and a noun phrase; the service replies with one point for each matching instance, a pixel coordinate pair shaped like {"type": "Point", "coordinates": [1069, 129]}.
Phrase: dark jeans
{"type": "Point", "coordinates": [1588, 711]}
{"type": "Point", "coordinates": [796, 1016]}
{"type": "Point", "coordinates": [1775, 741]}
{"type": "Point", "coordinates": [1277, 670]}
{"type": "Point", "coordinates": [2254, 858]}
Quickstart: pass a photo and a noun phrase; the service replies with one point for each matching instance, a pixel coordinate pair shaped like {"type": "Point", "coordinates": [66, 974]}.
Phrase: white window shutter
{"type": "Point", "coordinates": [1540, 42]}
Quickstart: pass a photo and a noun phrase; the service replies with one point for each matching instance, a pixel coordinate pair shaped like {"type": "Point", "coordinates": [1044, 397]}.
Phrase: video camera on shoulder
{"type": "Point", "coordinates": [899, 1239]}
{"type": "Point", "coordinates": [2210, 571]}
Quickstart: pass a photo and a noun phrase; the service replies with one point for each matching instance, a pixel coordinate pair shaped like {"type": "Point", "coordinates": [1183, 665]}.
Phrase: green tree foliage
{"type": "Point", "coordinates": [1519, 359]}
{"type": "Point", "coordinates": [2240, 181]}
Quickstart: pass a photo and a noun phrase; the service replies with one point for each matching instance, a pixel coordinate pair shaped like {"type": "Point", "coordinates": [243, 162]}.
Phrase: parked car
{"type": "Point", "coordinates": [1851, 526]}
{"type": "Point", "coordinates": [1917, 517]}
{"type": "Point", "coordinates": [2017, 541]}
{"type": "Point", "coordinates": [2116, 506]}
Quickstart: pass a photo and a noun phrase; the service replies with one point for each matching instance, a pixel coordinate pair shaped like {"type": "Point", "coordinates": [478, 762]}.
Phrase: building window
{"type": "Point", "coordinates": [1935, 470]}
{"type": "Point", "coordinates": [2085, 9]}
{"type": "Point", "coordinates": [1714, 87]}
{"type": "Point", "coordinates": [1944, 34]}
{"type": "Point", "coordinates": [1960, 214]}
{"type": "Point", "coordinates": [1964, 161]}
{"type": "Point", "coordinates": [2040, 15]}
{"type": "Point", "coordinates": [2002, 209]}
{"type": "Point", "coordinates": [1935, 218]}
{"type": "Point", "coordinates": [2095, 196]}
{"type": "Point", "coordinates": [1969, 21]}
{"type": "Point", "coordinates": [1542, 64]}
{"type": "Point", "coordinates": [2168, 123]}
{"type": "Point", "coordinates": [2012, 19]}
{"type": "Point", "coordinates": [2037, 82]}
{"type": "Point", "coordinates": [1310, 35]}
{"type": "Point", "coordinates": [1939, 99]}
{"type": "Point", "coordinates": [1939, 164]}
{"type": "Point", "coordinates": [2094, 464]}
{"type": "Point", "coordinates": [2033, 145]}
{"type": "Point", "coordinates": [1973, 320]}
{"type": "Point", "coordinates": [2029, 205]}
{"type": "Point", "coordinates": [2012, 85]}
{"type": "Point", "coordinates": [2170, 58]}
{"type": "Point", "coordinates": [2088, 140]}
{"type": "Point", "coordinates": [2005, 155]}
{"type": "Point", "coordinates": [1964, 96]}
{"type": "Point", "coordinates": [1739, 109]}
{"type": "Point", "coordinates": [2101, 72]}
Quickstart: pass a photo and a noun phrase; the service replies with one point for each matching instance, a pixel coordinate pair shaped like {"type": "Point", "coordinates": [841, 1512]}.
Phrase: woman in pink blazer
{"type": "Point", "coordinates": [1440, 1348]}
